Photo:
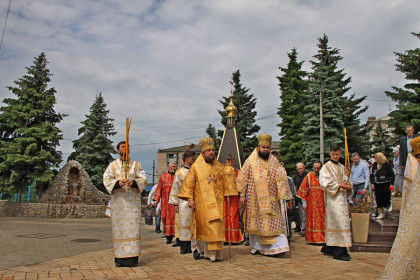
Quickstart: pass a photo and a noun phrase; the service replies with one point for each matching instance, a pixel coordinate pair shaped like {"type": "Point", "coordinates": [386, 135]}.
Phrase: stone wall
{"type": "Point", "coordinates": [73, 185]}
{"type": "Point", "coordinates": [46, 210]}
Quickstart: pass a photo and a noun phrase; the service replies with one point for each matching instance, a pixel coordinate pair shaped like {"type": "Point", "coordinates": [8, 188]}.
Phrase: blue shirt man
{"type": "Point", "coordinates": [360, 177]}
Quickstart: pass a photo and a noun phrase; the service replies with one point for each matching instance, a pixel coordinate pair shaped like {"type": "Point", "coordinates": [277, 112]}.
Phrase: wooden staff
{"type": "Point", "coordinates": [347, 156]}
{"type": "Point", "coordinates": [126, 154]}
{"type": "Point", "coordinates": [229, 233]}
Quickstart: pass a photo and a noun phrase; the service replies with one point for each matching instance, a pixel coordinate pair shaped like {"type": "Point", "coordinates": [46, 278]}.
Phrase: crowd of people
{"type": "Point", "coordinates": [205, 204]}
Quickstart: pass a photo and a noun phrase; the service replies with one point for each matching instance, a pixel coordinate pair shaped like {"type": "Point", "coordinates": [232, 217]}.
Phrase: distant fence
{"type": "Point", "coordinates": [28, 197]}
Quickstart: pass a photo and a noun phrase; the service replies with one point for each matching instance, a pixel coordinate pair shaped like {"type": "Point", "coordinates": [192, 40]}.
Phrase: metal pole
{"type": "Point", "coordinates": [321, 128]}
{"type": "Point", "coordinates": [153, 173]}
{"type": "Point", "coordinates": [29, 192]}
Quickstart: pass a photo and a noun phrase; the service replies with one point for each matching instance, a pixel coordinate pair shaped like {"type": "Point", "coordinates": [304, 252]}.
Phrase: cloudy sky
{"type": "Point", "coordinates": [165, 64]}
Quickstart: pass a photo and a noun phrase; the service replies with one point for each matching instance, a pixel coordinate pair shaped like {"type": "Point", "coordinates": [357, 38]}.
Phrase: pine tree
{"type": "Point", "coordinates": [293, 95]}
{"type": "Point", "coordinates": [327, 80]}
{"type": "Point", "coordinates": [245, 119]}
{"type": "Point", "coordinates": [211, 132]}
{"type": "Point", "coordinates": [408, 98]}
{"type": "Point", "coordinates": [381, 141]}
{"type": "Point", "coordinates": [29, 136]}
{"type": "Point", "coordinates": [94, 149]}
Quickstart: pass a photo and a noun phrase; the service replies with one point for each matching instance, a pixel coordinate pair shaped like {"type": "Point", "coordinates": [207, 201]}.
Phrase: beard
{"type": "Point", "coordinates": [209, 159]}
{"type": "Point", "coordinates": [263, 155]}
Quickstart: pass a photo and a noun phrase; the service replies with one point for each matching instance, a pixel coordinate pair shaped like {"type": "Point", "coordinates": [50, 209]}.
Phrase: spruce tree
{"type": "Point", "coordinates": [381, 141]}
{"type": "Point", "coordinates": [327, 80]}
{"type": "Point", "coordinates": [245, 119]}
{"type": "Point", "coordinates": [94, 149]}
{"type": "Point", "coordinates": [29, 136]}
{"type": "Point", "coordinates": [408, 97]}
{"type": "Point", "coordinates": [293, 95]}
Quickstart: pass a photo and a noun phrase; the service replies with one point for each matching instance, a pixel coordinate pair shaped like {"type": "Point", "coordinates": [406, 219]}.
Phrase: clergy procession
{"type": "Point", "coordinates": [209, 206]}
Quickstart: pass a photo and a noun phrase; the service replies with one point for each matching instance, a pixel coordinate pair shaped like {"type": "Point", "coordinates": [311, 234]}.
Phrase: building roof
{"type": "Point", "coordinates": [180, 149]}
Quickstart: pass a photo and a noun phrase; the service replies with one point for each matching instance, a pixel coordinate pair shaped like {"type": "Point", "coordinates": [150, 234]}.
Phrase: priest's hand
{"type": "Point", "coordinates": [155, 203]}
{"type": "Point", "coordinates": [121, 183]}
{"type": "Point", "coordinates": [191, 204]}
{"type": "Point", "coordinates": [304, 208]}
{"type": "Point", "coordinates": [177, 209]}
{"type": "Point", "coordinates": [129, 183]}
{"type": "Point", "coordinates": [289, 204]}
{"type": "Point", "coordinates": [345, 186]}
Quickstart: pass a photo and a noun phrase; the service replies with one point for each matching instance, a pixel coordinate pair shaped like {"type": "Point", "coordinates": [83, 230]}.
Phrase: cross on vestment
{"type": "Point", "coordinates": [213, 178]}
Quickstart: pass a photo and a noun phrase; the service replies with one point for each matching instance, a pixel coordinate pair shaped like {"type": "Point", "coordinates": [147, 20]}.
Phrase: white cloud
{"type": "Point", "coordinates": [166, 63]}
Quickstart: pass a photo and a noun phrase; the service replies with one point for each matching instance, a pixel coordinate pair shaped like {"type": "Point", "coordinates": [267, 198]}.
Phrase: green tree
{"type": "Point", "coordinates": [408, 97]}
{"type": "Point", "coordinates": [29, 136]}
{"type": "Point", "coordinates": [381, 141]}
{"type": "Point", "coordinates": [245, 119]}
{"type": "Point", "coordinates": [293, 95]}
{"type": "Point", "coordinates": [357, 134]}
{"type": "Point", "coordinates": [331, 83]}
{"type": "Point", "coordinates": [211, 132]}
{"type": "Point", "coordinates": [94, 149]}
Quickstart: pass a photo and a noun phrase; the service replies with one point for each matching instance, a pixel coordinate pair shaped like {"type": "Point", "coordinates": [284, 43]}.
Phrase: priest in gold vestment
{"type": "Point", "coordinates": [204, 187]}
{"type": "Point", "coordinates": [125, 188]}
{"type": "Point", "coordinates": [262, 183]}
{"type": "Point", "coordinates": [337, 190]}
{"type": "Point", "coordinates": [404, 259]}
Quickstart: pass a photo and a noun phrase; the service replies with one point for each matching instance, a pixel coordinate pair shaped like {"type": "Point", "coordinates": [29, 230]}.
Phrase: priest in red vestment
{"type": "Point", "coordinates": [231, 213]}
{"type": "Point", "coordinates": [163, 191]}
{"type": "Point", "coordinates": [312, 196]}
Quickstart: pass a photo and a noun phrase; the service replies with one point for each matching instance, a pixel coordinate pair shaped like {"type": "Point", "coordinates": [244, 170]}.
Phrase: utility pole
{"type": "Point", "coordinates": [321, 128]}
{"type": "Point", "coordinates": [153, 179]}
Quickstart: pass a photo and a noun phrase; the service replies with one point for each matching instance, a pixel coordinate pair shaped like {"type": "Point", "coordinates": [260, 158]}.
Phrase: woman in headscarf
{"type": "Point", "coordinates": [382, 176]}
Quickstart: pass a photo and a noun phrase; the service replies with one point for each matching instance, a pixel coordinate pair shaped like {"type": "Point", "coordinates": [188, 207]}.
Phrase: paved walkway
{"type": "Point", "coordinates": [161, 261]}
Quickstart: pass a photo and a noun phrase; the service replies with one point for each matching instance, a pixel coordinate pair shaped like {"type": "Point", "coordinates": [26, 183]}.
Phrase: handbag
{"type": "Point", "coordinates": [148, 216]}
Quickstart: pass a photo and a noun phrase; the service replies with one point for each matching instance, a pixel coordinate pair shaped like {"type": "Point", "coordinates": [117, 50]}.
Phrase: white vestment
{"type": "Point", "coordinates": [184, 215]}
{"type": "Point", "coordinates": [126, 207]}
{"type": "Point", "coordinates": [337, 221]}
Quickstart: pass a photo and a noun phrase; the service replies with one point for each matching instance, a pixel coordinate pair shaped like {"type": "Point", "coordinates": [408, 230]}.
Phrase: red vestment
{"type": "Point", "coordinates": [311, 191]}
{"type": "Point", "coordinates": [167, 214]}
{"type": "Point", "coordinates": [231, 213]}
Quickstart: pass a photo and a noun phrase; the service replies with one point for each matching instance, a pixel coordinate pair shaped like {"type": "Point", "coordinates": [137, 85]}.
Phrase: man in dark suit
{"type": "Point", "coordinates": [405, 147]}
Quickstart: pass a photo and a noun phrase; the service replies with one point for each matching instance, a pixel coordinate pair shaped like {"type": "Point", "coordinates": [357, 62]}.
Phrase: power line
{"type": "Point", "coordinates": [380, 100]}
{"type": "Point", "coordinates": [5, 22]}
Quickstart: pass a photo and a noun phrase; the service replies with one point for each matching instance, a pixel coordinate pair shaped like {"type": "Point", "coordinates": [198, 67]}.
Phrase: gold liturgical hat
{"type": "Point", "coordinates": [415, 145]}
{"type": "Point", "coordinates": [264, 140]}
{"type": "Point", "coordinates": [206, 144]}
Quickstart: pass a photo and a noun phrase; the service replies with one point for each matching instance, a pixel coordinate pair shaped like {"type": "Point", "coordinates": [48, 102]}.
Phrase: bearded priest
{"type": "Point", "coordinates": [204, 187]}
{"type": "Point", "coordinates": [262, 183]}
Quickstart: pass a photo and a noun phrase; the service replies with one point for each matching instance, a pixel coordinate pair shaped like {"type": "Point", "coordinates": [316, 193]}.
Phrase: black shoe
{"type": "Point", "coordinates": [118, 264]}
{"type": "Point", "coordinates": [327, 250]}
{"type": "Point", "coordinates": [256, 253]}
{"type": "Point", "coordinates": [168, 241]}
{"type": "Point", "coordinates": [297, 229]}
{"type": "Point", "coordinates": [196, 255]}
{"type": "Point", "coordinates": [158, 231]}
{"type": "Point", "coordinates": [177, 243]}
{"type": "Point", "coordinates": [343, 258]}
{"type": "Point", "coordinates": [302, 233]}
